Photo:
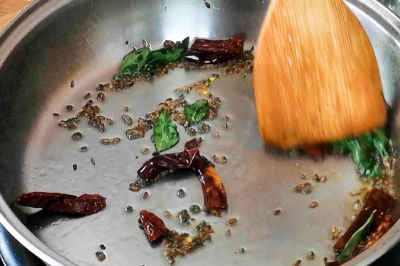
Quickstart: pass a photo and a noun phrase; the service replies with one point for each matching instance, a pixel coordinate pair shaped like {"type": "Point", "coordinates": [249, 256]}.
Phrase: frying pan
{"type": "Point", "coordinates": [57, 41]}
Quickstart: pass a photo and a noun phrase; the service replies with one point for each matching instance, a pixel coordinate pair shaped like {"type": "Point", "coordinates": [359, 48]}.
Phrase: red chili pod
{"type": "Point", "coordinates": [58, 202]}
{"type": "Point", "coordinates": [153, 226]}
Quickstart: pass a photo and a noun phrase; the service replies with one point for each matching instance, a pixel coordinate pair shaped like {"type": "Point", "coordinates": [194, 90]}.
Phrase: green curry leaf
{"type": "Point", "coordinates": [165, 132]}
{"type": "Point", "coordinates": [369, 152]}
{"type": "Point", "coordinates": [134, 62]}
{"type": "Point", "coordinates": [196, 112]}
{"type": "Point", "coordinates": [355, 239]}
{"type": "Point", "coordinates": [144, 59]}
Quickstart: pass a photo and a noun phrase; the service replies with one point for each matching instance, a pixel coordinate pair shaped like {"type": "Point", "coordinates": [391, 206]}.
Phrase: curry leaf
{"type": "Point", "coordinates": [134, 62]}
{"type": "Point", "coordinates": [144, 59]}
{"type": "Point", "coordinates": [165, 133]}
{"type": "Point", "coordinates": [355, 239]}
{"type": "Point", "coordinates": [369, 152]}
{"type": "Point", "coordinates": [196, 112]}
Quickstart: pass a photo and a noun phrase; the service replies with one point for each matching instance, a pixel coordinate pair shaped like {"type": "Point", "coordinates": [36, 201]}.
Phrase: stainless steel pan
{"type": "Point", "coordinates": [56, 41]}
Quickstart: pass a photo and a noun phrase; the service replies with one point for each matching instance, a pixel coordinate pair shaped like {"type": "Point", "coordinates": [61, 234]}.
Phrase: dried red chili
{"type": "Point", "coordinates": [215, 199]}
{"type": "Point", "coordinates": [153, 226]}
{"type": "Point", "coordinates": [83, 205]}
{"type": "Point", "coordinates": [376, 200]}
{"type": "Point", "coordinates": [214, 51]}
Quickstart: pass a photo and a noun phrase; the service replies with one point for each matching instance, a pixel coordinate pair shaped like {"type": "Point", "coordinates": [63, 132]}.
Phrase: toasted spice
{"type": "Point", "coordinates": [180, 193]}
{"type": "Point", "coordinates": [311, 255]}
{"type": "Point", "coordinates": [69, 107]}
{"type": "Point", "coordinates": [335, 232]}
{"type": "Point", "coordinates": [145, 195]}
{"type": "Point", "coordinates": [56, 114]}
{"type": "Point", "coordinates": [228, 232]}
{"type": "Point", "coordinates": [76, 136]}
{"type": "Point", "coordinates": [145, 150]}
{"type": "Point", "coordinates": [136, 186]}
{"type": "Point", "coordinates": [129, 209]}
{"type": "Point", "coordinates": [181, 244]}
{"type": "Point", "coordinates": [100, 255]}
{"type": "Point", "coordinates": [184, 217]}
{"type": "Point", "coordinates": [167, 214]}
{"type": "Point", "coordinates": [232, 221]}
{"type": "Point", "coordinates": [86, 96]}
{"type": "Point", "coordinates": [72, 84]}
{"type": "Point", "coordinates": [126, 109]}
{"type": "Point", "coordinates": [320, 179]}
{"type": "Point", "coordinates": [83, 149]}
{"type": "Point", "coordinates": [195, 209]}
{"type": "Point", "coordinates": [102, 247]}
{"type": "Point", "coordinates": [220, 159]}
{"type": "Point", "coordinates": [127, 119]}
{"type": "Point", "coordinates": [101, 97]}
{"type": "Point", "coordinates": [75, 167]}
{"type": "Point", "coordinates": [93, 161]}
{"type": "Point", "coordinates": [277, 212]}
{"type": "Point", "coordinates": [297, 263]}
{"type": "Point", "coordinates": [107, 141]}
{"type": "Point", "coordinates": [305, 188]}
{"type": "Point", "coordinates": [314, 204]}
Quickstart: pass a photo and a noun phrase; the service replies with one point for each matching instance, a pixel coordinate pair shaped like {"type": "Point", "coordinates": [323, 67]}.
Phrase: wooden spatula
{"type": "Point", "coordinates": [316, 78]}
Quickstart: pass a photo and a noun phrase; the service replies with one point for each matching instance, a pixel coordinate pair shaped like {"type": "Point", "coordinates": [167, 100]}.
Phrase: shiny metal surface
{"type": "Point", "coordinates": [58, 41]}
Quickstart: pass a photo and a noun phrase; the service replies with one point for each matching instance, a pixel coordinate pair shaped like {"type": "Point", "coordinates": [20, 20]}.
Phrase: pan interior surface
{"type": "Point", "coordinates": [84, 41]}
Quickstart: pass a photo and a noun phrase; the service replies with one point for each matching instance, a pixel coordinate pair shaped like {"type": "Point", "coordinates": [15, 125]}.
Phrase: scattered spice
{"type": "Point", "coordinates": [204, 128]}
{"type": "Point", "coordinates": [228, 232]}
{"type": "Point", "coordinates": [100, 255]}
{"type": "Point", "coordinates": [232, 221]}
{"type": "Point", "coordinates": [83, 149]}
{"type": "Point", "coordinates": [320, 179]}
{"type": "Point", "coordinates": [167, 214]}
{"type": "Point", "coordinates": [85, 204]}
{"type": "Point", "coordinates": [145, 195]}
{"type": "Point", "coordinates": [75, 167]}
{"type": "Point", "coordinates": [180, 193]}
{"type": "Point", "coordinates": [93, 161]}
{"type": "Point", "coordinates": [69, 107]}
{"type": "Point", "coordinates": [56, 114]}
{"type": "Point", "coordinates": [136, 186]}
{"type": "Point", "coordinates": [213, 188]}
{"type": "Point", "coordinates": [71, 123]}
{"type": "Point", "coordinates": [303, 176]}
{"type": "Point", "coordinates": [277, 212]}
{"type": "Point", "coordinates": [220, 159]}
{"type": "Point", "coordinates": [72, 84]}
{"type": "Point", "coordinates": [180, 244]}
{"type": "Point", "coordinates": [217, 135]}
{"type": "Point", "coordinates": [87, 96]}
{"type": "Point", "coordinates": [207, 4]}
{"type": "Point", "coordinates": [76, 136]}
{"type": "Point", "coordinates": [311, 255]}
{"type": "Point", "coordinates": [101, 97]}
{"type": "Point", "coordinates": [126, 109]}
{"type": "Point", "coordinates": [297, 263]}
{"type": "Point", "coordinates": [305, 188]}
{"type": "Point", "coordinates": [242, 251]}
{"type": "Point", "coordinates": [107, 141]}
{"type": "Point", "coordinates": [129, 209]}
{"type": "Point", "coordinates": [335, 232]}
{"type": "Point", "coordinates": [195, 209]}
{"type": "Point", "coordinates": [145, 150]}
{"type": "Point", "coordinates": [127, 119]}
{"type": "Point", "coordinates": [226, 126]}
{"type": "Point", "coordinates": [184, 217]}
{"type": "Point", "coordinates": [191, 131]}
{"type": "Point", "coordinates": [313, 204]}
{"type": "Point", "coordinates": [102, 247]}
